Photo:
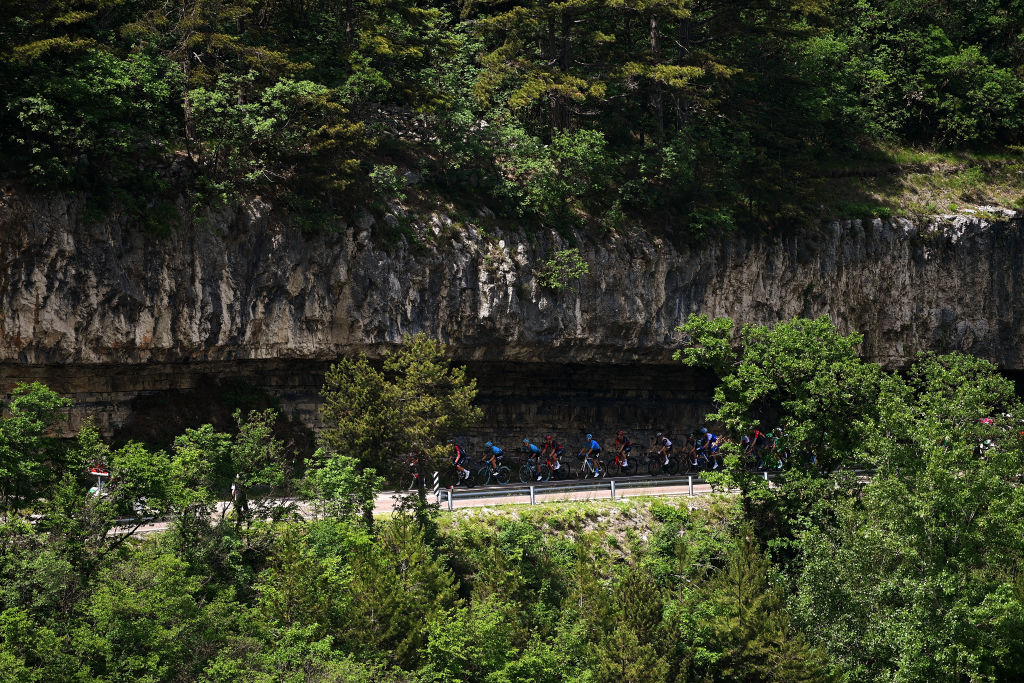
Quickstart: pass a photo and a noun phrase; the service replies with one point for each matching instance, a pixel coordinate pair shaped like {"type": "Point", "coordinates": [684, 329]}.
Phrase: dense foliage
{"type": "Point", "coordinates": [911, 574]}
{"type": "Point", "coordinates": [713, 112]}
{"type": "Point", "coordinates": [413, 403]}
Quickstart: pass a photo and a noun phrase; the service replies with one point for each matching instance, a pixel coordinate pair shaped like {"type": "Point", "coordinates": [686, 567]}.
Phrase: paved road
{"type": "Point", "coordinates": [482, 496]}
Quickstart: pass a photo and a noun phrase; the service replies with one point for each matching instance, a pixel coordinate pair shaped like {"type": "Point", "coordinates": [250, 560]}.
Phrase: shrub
{"type": "Point", "coordinates": [566, 265]}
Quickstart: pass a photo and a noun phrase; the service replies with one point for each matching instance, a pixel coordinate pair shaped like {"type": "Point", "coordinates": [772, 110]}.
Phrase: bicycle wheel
{"type": "Point", "coordinates": [564, 471]}
{"type": "Point", "coordinates": [654, 465]}
{"type": "Point", "coordinates": [672, 467]}
{"type": "Point", "coordinates": [448, 478]}
{"type": "Point", "coordinates": [503, 475]}
{"type": "Point", "coordinates": [629, 469]}
{"type": "Point", "coordinates": [483, 475]}
{"type": "Point", "coordinates": [614, 469]}
{"type": "Point", "coordinates": [527, 473]}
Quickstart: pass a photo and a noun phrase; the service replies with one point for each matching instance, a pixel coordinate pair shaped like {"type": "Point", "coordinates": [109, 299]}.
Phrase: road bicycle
{"type": "Point", "coordinates": [489, 474]}
{"type": "Point", "coordinates": [564, 471]}
{"type": "Point", "coordinates": [590, 466]}
{"type": "Point", "coordinates": [450, 477]}
{"type": "Point", "coordinates": [531, 471]}
{"type": "Point", "coordinates": [661, 464]}
{"type": "Point", "coordinates": [618, 468]}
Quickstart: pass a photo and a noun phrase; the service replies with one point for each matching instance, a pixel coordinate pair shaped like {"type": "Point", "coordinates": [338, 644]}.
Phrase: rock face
{"type": "Point", "coordinates": [244, 286]}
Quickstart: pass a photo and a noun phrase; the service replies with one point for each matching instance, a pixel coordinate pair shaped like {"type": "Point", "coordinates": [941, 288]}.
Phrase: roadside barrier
{"type": "Point", "coordinates": [614, 487]}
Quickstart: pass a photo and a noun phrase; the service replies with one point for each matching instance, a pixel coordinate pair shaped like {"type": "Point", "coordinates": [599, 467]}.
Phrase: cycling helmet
{"type": "Point", "coordinates": [526, 441]}
{"type": "Point", "coordinates": [590, 436]}
{"type": "Point", "coordinates": [703, 430]}
{"type": "Point", "coordinates": [488, 444]}
{"type": "Point", "coordinates": [619, 433]}
{"type": "Point", "coordinates": [658, 436]}
{"type": "Point", "coordinates": [547, 438]}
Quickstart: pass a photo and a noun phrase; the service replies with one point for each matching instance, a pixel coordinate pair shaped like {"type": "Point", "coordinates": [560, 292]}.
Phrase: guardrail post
{"type": "Point", "coordinates": [450, 508]}
{"type": "Point", "coordinates": [766, 475]}
{"type": "Point", "coordinates": [613, 489]}
{"type": "Point", "coordinates": [437, 487]}
{"type": "Point", "coordinates": [690, 478]}
{"type": "Point", "coordinates": [533, 495]}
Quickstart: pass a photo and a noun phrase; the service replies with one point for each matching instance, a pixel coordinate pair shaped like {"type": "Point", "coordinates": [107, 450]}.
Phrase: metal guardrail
{"type": "Point", "coordinates": [449, 496]}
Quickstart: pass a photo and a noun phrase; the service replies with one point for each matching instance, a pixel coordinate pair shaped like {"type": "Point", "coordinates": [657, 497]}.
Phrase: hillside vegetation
{"type": "Point", "coordinates": [910, 574]}
{"type": "Point", "coordinates": [700, 114]}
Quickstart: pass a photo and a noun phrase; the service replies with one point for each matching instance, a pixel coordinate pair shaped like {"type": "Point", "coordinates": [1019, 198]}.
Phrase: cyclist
{"type": "Point", "coordinates": [458, 460]}
{"type": "Point", "coordinates": [492, 454]}
{"type": "Point", "coordinates": [755, 443]}
{"type": "Point", "coordinates": [772, 448]}
{"type": "Point", "coordinates": [707, 445]}
{"type": "Point", "coordinates": [663, 447]}
{"type": "Point", "coordinates": [533, 453]}
{"type": "Point", "coordinates": [412, 459]}
{"type": "Point", "coordinates": [690, 448]}
{"type": "Point", "coordinates": [552, 450]}
{"type": "Point", "coordinates": [622, 447]}
{"type": "Point", "coordinates": [593, 451]}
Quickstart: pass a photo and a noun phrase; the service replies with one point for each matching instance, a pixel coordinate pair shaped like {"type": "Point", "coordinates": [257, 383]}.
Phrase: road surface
{"type": "Point", "coordinates": [483, 496]}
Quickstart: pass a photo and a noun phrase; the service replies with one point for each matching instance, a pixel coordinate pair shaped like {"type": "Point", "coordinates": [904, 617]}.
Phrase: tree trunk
{"type": "Point", "coordinates": [186, 105]}
{"type": "Point", "coordinates": [657, 97]}
{"type": "Point", "coordinates": [421, 482]}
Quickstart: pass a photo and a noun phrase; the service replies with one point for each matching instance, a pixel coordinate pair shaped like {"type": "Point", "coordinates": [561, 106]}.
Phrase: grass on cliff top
{"type": "Point", "coordinates": [911, 183]}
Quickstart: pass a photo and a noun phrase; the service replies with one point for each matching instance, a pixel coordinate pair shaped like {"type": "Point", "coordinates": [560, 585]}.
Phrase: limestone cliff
{"type": "Point", "coordinates": [115, 317]}
{"type": "Point", "coordinates": [245, 285]}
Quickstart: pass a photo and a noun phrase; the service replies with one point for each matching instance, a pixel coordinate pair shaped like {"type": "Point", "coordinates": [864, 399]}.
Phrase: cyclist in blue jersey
{"type": "Point", "coordinates": [492, 454]}
{"type": "Point", "coordinates": [533, 453]}
{"type": "Point", "coordinates": [707, 446]}
{"type": "Point", "coordinates": [592, 449]}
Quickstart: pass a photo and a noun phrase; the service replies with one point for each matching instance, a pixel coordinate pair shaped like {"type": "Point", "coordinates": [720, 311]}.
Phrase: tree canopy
{"type": "Point", "coordinates": [708, 114]}
{"type": "Point", "coordinates": [893, 555]}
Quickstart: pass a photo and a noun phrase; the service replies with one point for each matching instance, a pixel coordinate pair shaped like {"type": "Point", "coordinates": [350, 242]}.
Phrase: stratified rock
{"type": "Point", "coordinates": [244, 285]}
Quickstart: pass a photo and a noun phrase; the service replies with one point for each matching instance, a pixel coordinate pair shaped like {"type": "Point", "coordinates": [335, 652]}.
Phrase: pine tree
{"type": "Point", "coordinates": [758, 641]}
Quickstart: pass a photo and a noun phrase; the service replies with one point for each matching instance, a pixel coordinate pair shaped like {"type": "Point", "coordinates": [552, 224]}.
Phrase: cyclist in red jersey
{"type": "Point", "coordinates": [622, 447]}
{"type": "Point", "coordinates": [551, 449]}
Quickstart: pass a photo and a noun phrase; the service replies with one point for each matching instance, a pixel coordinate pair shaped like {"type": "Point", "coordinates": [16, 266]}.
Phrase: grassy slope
{"type": "Point", "coordinates": [615, 532]}
{"type": "Point", "coordinates": [913, 183]}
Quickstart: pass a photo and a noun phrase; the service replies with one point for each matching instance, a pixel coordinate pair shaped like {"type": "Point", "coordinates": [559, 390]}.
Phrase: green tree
{"type": "Point", "coordinates": [752, 629]}
{"type": "Point", "coordinates": [32, 457]}
{"type": "Point", "coordinates": [802, 375]}
{"type": "Point", "coordinates": [561, 268]}
{"type": "Point", "coordinates": [632, 647]}
{"type": "Point", "coordinates": [339, 489]}
{"type": "Point", "coordinates": [261, 137]}
{"type": "Point", "coordinates": [414, 403]}
{"type": "Point", "coordinates": [806, 377]}
{"type": "Point", "coordinates": [918, 580]}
